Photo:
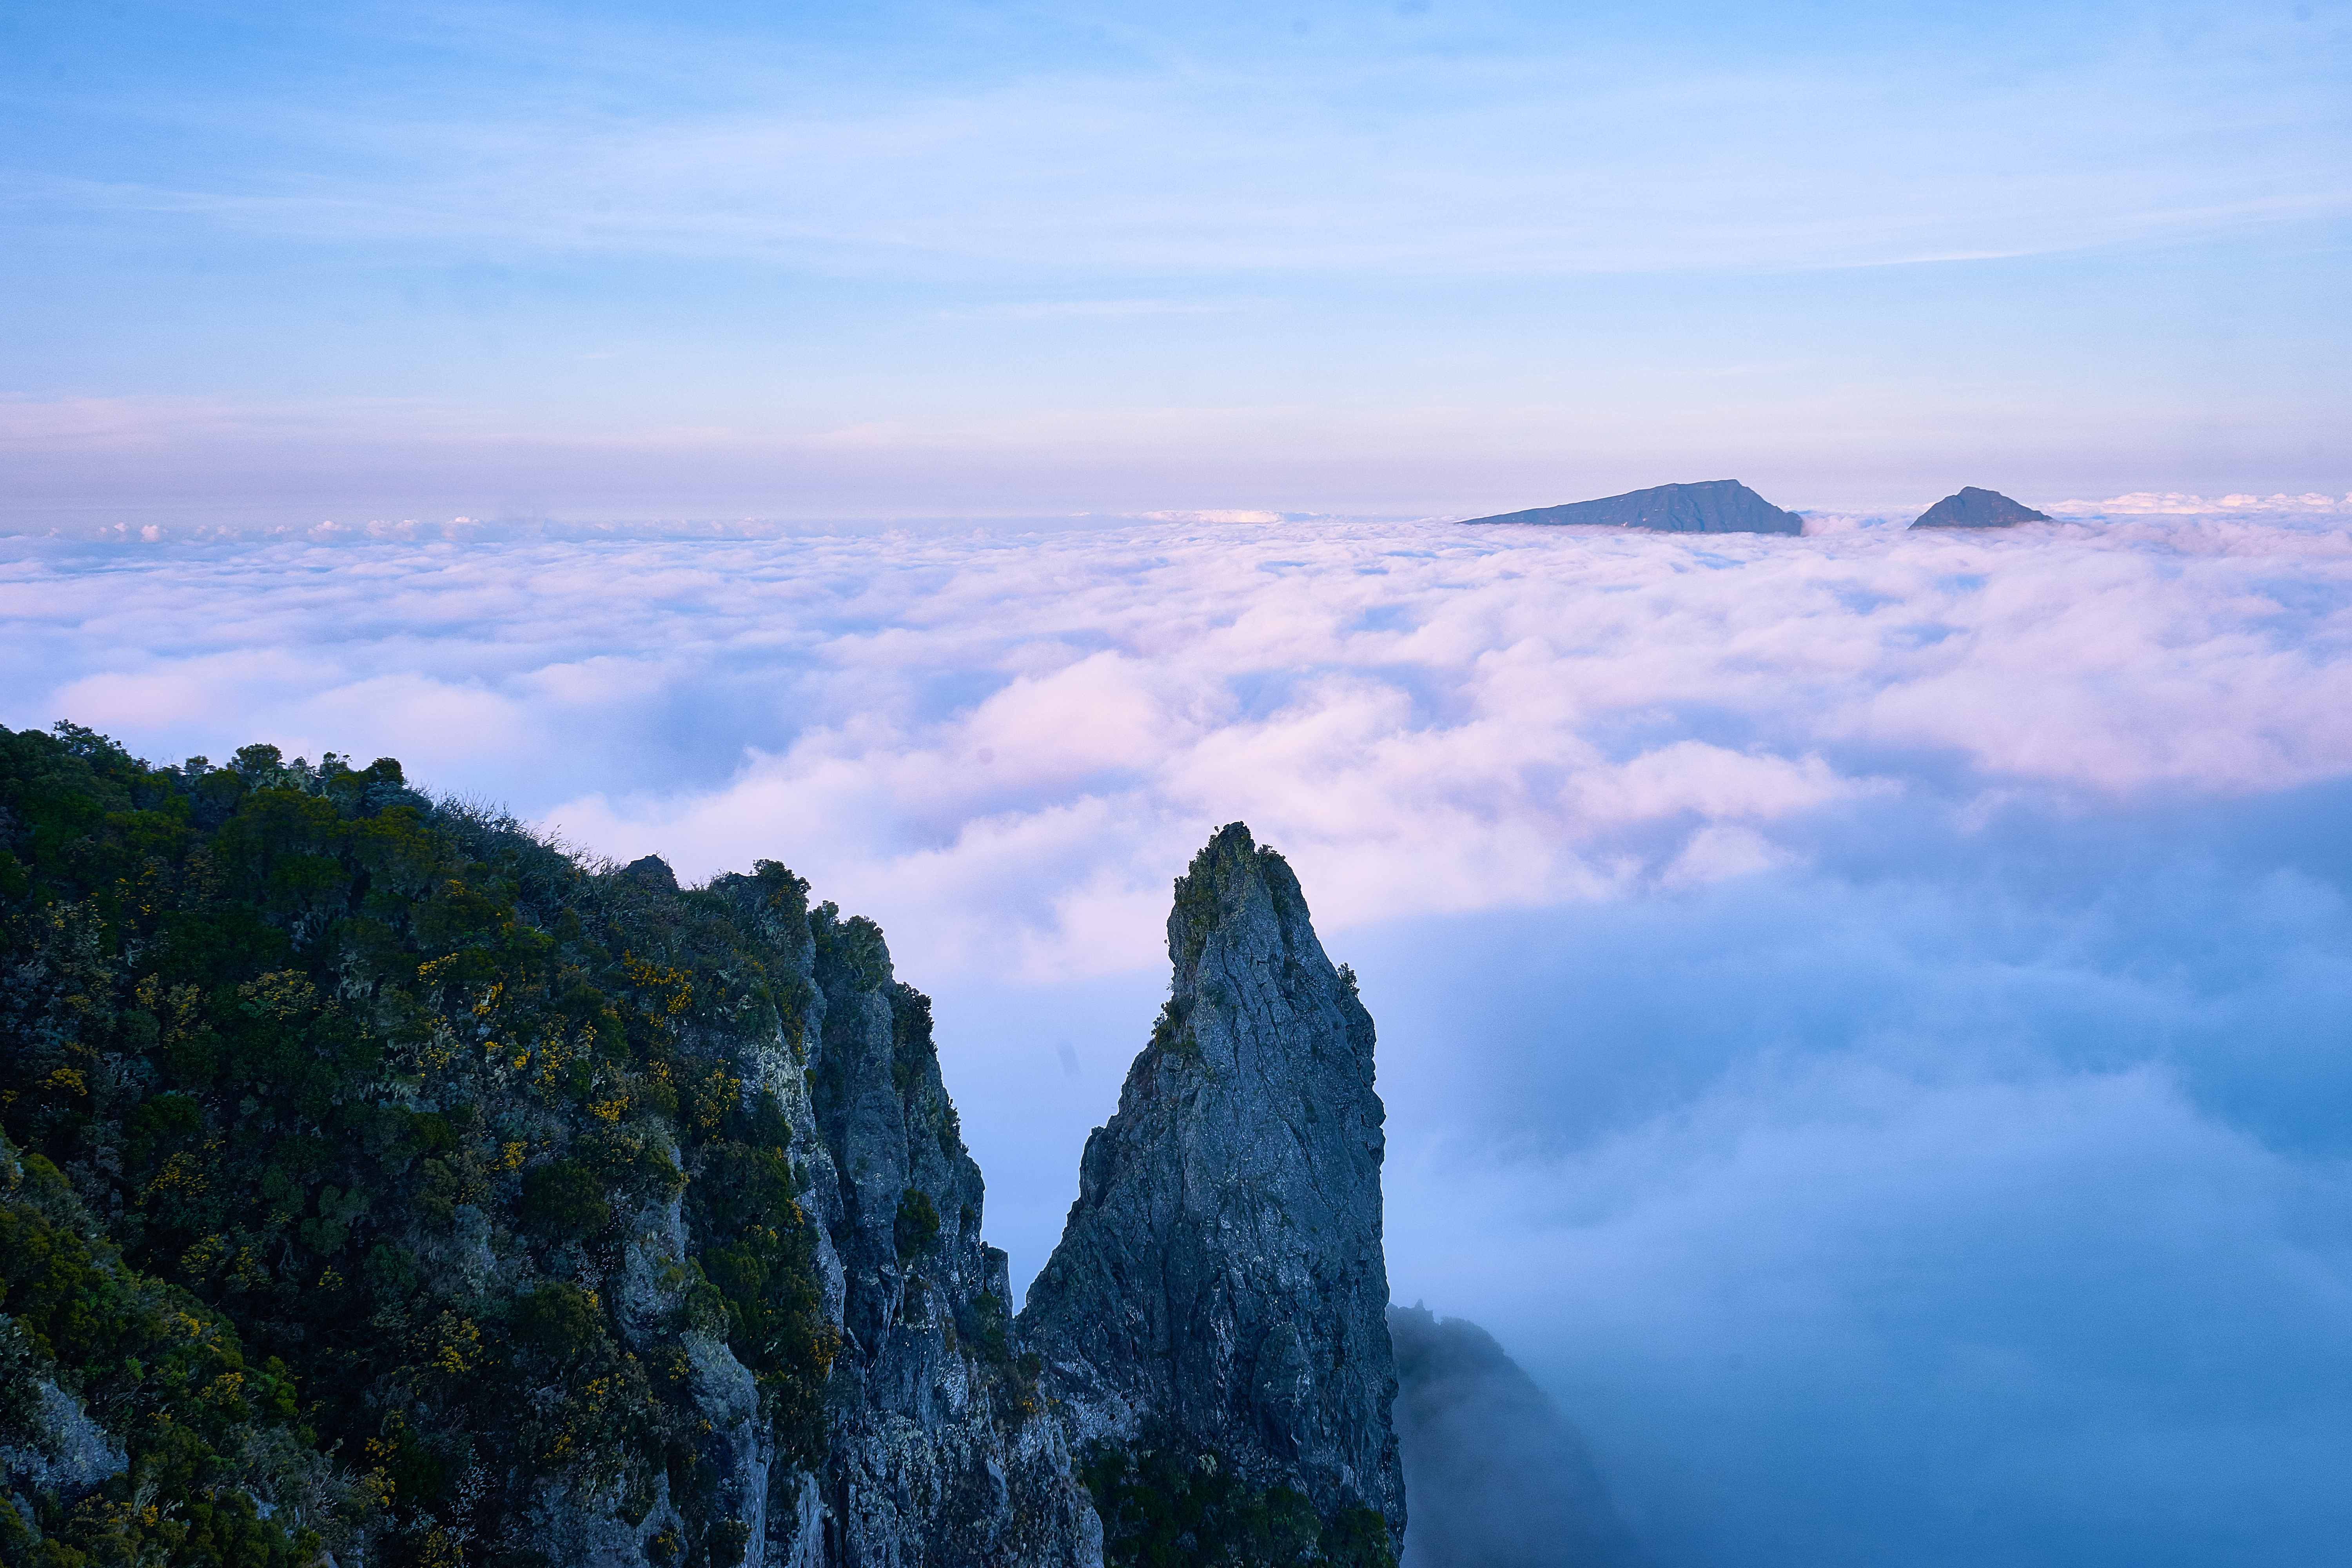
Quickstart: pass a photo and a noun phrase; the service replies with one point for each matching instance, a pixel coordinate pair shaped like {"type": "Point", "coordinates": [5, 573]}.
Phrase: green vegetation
{"type": "Point", "coordinates": [1167, 1506]}
{"type": "Point", "coordinates": [200, 1427]}
{"type": "Point", "coordinates": [916, 1228]}
{"type": "Point", "coordinates": [331, 1115]}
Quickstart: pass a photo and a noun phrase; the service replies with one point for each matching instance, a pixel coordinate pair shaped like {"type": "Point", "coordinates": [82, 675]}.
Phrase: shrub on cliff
{"type": "Point", "coordinates": [329, 1098]}
{"type": "Point", "coordinates": [1166, 1506]}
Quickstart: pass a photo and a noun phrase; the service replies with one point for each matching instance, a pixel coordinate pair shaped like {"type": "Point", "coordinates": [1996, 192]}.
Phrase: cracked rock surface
{"type": "Point", "coordinates": [1222, 1272]}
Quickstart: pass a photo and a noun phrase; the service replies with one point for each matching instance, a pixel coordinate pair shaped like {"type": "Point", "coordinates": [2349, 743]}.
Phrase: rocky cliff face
{"type": "Point", "coordinates": [382, 1186]}
{"type": "Point", "coordinates": [1221, 1284]}
{"type": "Point", "coordinates": [939, 1453]}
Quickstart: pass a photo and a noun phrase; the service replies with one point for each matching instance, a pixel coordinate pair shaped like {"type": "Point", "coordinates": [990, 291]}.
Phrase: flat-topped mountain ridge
{"type": "Point", "coordinates": [1710, 506]}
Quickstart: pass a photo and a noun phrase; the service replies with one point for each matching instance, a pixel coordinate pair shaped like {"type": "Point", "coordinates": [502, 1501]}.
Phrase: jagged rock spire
{"type": "Point", "coordinates": [1221, 1275]}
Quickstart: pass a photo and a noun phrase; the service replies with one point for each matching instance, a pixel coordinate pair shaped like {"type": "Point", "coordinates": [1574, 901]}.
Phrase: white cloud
{"type": "Point", "coordinates": [1847, 1020]}
{"type": "Point", "coordinates": [1005, 743]}
{"type": "Point", "coordinates": [2178, 503]}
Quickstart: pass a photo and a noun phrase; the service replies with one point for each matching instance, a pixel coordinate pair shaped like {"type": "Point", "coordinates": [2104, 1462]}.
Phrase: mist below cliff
{"type": "Point", "coordinates": [1496, 1476]}
{"type": "Point", "coordinates": [1968, 1197]}
{"type": "Point", "coordinates": [1975, 1191]}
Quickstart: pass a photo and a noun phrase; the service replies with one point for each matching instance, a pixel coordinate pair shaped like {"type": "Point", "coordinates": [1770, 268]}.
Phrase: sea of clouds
{"type": "Point", "coordinates": [1866, 1018]}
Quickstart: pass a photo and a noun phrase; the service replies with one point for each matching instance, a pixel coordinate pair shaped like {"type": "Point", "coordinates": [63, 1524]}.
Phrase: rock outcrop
{"type": "Point", "coordinates": [1973, 507]}
{"type": "Point", "coordinates": [1713, 506]}
{"type": "Point", "coordinates": [937, 1452]}
{"type": "Point", "coordinates": [548, 1215]}
{"type": "Point", "coordinates": [1220, 1285]}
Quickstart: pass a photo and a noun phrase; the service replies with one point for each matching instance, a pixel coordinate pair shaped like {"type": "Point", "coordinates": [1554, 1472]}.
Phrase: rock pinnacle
{"type": "Point", "coordinates": [1221, 1276]}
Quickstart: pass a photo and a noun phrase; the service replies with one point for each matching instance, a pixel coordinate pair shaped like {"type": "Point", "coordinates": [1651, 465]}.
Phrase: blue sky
{"type": "Point", "coordinates": [949, 260]}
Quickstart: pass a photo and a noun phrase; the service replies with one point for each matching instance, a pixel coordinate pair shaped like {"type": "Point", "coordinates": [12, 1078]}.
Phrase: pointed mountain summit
{"type": "Point", "coordinates": [1712, 506]}
{"type": "Point", "coordinates": [1220, 1291]}
{"type": "Point", "coordinates": [1973, 507]}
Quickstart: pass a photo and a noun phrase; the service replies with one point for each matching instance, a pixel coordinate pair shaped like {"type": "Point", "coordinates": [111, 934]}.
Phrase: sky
{"type": "Point", "coordinates": [917, 260]}
{"type": "Point", "coordinates": [1863, 1015]}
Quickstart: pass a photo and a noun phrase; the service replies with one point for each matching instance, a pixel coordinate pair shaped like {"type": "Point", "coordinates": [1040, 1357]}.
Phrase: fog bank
{"type": "Point", "coordinates": [1862, 1016]}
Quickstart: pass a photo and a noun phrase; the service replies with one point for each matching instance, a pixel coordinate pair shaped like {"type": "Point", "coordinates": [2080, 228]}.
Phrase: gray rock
{"type": "Point", "coordinates": [582, 1522]}
{"type": "Point", "coordinates": [1712, 506]}
{"type": "Point", "coordinates": [61, 1449]}
{"type": "Point", "coordinates": [651, 871]}
{"type": "Point", "coordinates": [1498, 1478]}
{"type": "Point", "coordinates": [1973, 507]}
{"type": "Point", "coordinates": [937, 1452]}
{"type": "Point", "coordinates": [1221, 1275]}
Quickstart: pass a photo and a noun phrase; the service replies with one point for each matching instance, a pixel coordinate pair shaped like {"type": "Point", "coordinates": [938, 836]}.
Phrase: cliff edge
{"type": "Point", "coordinates": [383, 1186]}
{"type": "Point", "coordinates": [1499, 1476]}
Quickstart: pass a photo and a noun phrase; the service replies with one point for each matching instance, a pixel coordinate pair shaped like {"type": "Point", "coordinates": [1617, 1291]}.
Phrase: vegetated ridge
{"type": "Point", "coordinates": [1713, 506]}
{"type": "Point", "coordinates": [382, 1184]}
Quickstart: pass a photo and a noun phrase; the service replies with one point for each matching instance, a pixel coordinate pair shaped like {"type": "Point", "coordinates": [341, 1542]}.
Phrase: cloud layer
{"type": "Point", "coordinates": [1862, 1014]}
{"type": "Point", "coordinates": [1967, 1205]}
{"type": "Point", "coordinates": [1028, 729]}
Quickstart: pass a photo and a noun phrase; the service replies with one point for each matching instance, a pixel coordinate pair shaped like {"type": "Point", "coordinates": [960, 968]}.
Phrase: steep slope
{"type": "Point", "coordinates": [155, 1394]}
{"type": "Point", "coordinates": [382, 1184]}
{"type": "Point", "coordinates": [463, 1140]}
{"type": "Point", "coordinates": [1710, 506]}
{"type": "Point", "coordinates": [1220, 1291]}
{"type": "Point", "coordinates": [939, 1453]}
{"type": "Point", "coordinates": [520, 1212]}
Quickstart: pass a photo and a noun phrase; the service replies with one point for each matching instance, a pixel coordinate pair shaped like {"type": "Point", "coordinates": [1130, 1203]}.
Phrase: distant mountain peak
{"type": "Point", "coordinates": [1974, 508]}
{"type": "Point", "coordinates": [1708, 506]}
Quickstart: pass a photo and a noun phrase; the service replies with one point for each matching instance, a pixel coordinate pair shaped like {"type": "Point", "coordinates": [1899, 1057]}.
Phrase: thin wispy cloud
{"type": "Point", "coordinates": [1444, 146]}
{"type": "Point", "coordinates": [1349, 260]}
{"type": "Point", "coordinates": [1245, 169]}
{"type": "Point", "coordinates": [1089, 310]}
